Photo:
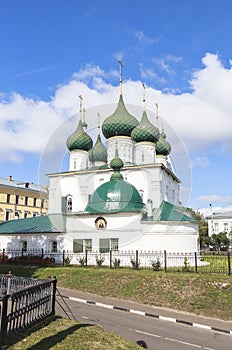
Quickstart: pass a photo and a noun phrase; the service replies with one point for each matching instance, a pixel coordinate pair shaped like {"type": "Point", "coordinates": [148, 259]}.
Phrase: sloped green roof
{"type": "Point", "coordinates": [169, 212]}
{"type": "Point", "coordinates": [52, 223]}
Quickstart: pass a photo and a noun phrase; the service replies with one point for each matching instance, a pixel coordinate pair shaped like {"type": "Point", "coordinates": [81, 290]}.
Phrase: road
{"type": "Point", "coordinates": [153, 333]}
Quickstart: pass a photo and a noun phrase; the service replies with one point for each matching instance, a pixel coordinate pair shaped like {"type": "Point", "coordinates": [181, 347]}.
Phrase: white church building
{"type": "Point", "coordinates": [120, 193]}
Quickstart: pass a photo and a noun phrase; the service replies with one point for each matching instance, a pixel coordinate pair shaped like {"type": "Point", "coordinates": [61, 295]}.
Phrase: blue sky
{"type": "Point", "coordinates": [53, 50]}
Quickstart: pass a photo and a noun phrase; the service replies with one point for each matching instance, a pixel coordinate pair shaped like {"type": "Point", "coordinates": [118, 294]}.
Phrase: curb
{"type": "Point", "coordinates": [142, 313]}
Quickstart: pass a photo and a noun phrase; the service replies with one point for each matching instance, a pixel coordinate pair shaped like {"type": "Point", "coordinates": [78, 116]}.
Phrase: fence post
{"type": "Point", "coordinates": [3, 332]}
{"type": "Point", "coordinates": [3, 255]}
{"type": "Point", "coordinates": [54, 282]}
{"type": "Point", "coordinates": [86, 257]}
{"type": "Point", "coordinates": [111, 258]}
{"type": "Point", "coordinates": [165, 261]}
{"type": "Point", "coordinates": [42, 255]}
{"type": "Point", "coordinates": [136, 259]}
{"type": "Point", "coordinates": [63, 257]}
{"type": "Point", "coordinates": [229, 264]}
{"type": "Point", "coordinates": [195, 255]}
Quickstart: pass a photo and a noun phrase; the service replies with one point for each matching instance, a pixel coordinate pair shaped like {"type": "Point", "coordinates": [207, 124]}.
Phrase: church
{"type": "Point", "coordinates": [120, 193]}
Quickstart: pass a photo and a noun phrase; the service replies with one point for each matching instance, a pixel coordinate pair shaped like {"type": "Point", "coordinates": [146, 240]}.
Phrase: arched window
{"type": "Point", "coordinates": [69, 203]}
{"type": "Point", "coordinates": [53, 246]}
{"type": "Point", "coordinates": [23, 245]}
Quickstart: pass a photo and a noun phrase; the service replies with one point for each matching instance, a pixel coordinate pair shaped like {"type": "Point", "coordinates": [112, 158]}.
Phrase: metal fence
{"type": "Point", "coordinates": [163, 260]}
{"type": "Point", "coordinates": [23, 302]}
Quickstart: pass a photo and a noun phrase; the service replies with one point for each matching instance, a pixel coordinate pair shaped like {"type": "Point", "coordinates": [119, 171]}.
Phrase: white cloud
{"type": "Point", "coordinates": [200, 161]}
{"type": "Point", "coordinates": [214, 198]}
{"type": "Point", "coordinates": [142, 38]}
{"type": "Point", "coordinates": [201, 118]}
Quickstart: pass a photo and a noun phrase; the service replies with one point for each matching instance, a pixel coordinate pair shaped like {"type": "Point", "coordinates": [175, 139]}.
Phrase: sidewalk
{"type": "Point", "coordinates": [148, 311]}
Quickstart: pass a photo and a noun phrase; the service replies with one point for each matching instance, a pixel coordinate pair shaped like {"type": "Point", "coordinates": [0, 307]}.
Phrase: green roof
{"type": "Point", "coordinates": [120, 123]}
{"type": "Point", "coordinates": [52, 223]}
{"type": "Point", "coordinates": [115, 196]}
{"type": "Point", "coordinates": [163, 147]}
{"type": "Point", "coordinates": [79, 139]}
{"type": "Point", "coordinates": [145, 131]}
{"type": "Point", "coordinates": [98, 152]}
{"type": "Point", "coordinates": [169, 212]}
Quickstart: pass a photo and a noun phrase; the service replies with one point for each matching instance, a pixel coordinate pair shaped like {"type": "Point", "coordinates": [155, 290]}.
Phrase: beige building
{"type": "Point", "coordinates": [21, 199]}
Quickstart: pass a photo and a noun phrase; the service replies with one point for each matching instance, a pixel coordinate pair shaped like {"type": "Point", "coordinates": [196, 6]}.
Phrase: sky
{"type": "Point", "coordinates": [52, 51]}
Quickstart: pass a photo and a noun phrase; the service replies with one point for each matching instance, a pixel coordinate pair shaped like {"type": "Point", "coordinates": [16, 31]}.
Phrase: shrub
{"type": "Point", "coordinates": [116, 263]}
{"type": "Point", "coordinates": [99, 261]}
{"type": "Point", "coordinates": [156, 265]}
{"type": "Point", "coordinates": [135, 264]}
{"type": "Point", "coordinates": [186, 267]}
{"type": "Point", "coordinates": [82, 261]}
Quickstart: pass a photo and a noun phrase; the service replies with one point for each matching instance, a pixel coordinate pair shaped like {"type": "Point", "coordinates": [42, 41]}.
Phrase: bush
{"type": "Point", "coordinates": [135, 264]}
{"type": "Point", "coordinates": [156, 265]}
{"type": "Point", "coordinates": [186, 267]}
{"type": "Point", "coordinates": [82, 261]}
{"type": "Point", "coordinates": [99, 261]}
{"type": "Point", "coordinates": [116, 263]}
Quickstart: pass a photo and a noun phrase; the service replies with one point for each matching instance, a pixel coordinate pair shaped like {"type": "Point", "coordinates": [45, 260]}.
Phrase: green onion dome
{"type": "Point", "coordinates": [79, 139]}
{"type": "Point", "coordinates": [115, 195]}
{"type": "Point", "coordinates": [120, 123]}
{"type": "Point", "coordinates": [163, 147]}
{"type": "Point", "coordinates": [145, 131]}
{"type": "Point", "coordinates": [99, 152]}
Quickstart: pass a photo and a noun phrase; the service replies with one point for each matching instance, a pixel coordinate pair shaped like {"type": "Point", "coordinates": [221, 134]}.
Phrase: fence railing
{"type": "Point", "coordinates": [168, 261]}
{"type": "Point", "coordinates": [34, 300]}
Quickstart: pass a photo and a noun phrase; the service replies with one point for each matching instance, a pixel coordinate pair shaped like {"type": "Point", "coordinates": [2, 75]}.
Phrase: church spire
{"type": "Point", "coordinates": [157, 115]}
{"type": "Point", "coordinates": [120, 81]}
{"type": "Point", "coordinates": [81, 111]}
{"type": "Point", "coordinates": [99, 123]}
{"type": "Point", "coordinates": [144, 97]}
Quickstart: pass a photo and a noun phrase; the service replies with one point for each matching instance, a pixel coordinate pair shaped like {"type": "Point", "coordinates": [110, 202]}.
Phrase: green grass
{"type": "Point", "coordinates": [202, 294]}
{"type": "Point", "coordinates": [60, 333]}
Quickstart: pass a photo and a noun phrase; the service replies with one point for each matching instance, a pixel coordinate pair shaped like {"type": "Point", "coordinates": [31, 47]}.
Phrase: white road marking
{"type": "Point", "coordinates": [173, 340]}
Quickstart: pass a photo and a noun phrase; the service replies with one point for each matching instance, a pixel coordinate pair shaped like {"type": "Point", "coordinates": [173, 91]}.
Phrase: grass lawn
{"type": "Point", "coordinates": [59, 333]}
{"type": "Point", "coordinates": [202, 294]}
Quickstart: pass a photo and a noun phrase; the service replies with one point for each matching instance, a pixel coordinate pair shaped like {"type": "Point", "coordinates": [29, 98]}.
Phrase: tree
{"type": "Point", "coordinates": [203, 228]}
{"type": "Point", "coordinates": [220, 241]}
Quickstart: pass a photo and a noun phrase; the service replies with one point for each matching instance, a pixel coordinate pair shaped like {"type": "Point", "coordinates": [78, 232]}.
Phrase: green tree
{"type": "Point", "coordinates": [220, 241]}
{"type": "Point", "coordinates": [203, 228]}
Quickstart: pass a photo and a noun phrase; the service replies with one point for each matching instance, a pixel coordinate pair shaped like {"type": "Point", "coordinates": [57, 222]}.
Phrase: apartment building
{"type": "Point", "coordinates": [20, 199]}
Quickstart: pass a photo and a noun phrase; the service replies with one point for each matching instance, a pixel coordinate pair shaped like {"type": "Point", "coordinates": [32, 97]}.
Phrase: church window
{"type": "Point", "coordinates": [54, 246]}
{"type": "Point", "coordinates": [114, 244]}
{"type": "Point", "coordinates": [88, 245]}
{"type": "Point", "coordinates": [107, 244]}
{"type": "Point", "coordinates": [225, 226]}
{"type": "Point", "coordinates": [69, 203]}
{"type": "Point", "coordinates": [23, 246]}
{"type": "Point", "coordinates": [82, 245]}
{"type": "Point", "coordinates": [78, 245]}
{"type": "Point", "coordinates": [216, 226]}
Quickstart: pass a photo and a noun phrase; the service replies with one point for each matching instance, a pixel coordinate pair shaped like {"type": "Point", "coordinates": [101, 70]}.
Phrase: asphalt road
{"type": "Point", "coordinates": [154, 334]}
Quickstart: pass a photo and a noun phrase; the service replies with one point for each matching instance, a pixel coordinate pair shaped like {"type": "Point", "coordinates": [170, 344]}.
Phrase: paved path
{"type": "Point", "coordinates": [186, 319]}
